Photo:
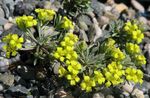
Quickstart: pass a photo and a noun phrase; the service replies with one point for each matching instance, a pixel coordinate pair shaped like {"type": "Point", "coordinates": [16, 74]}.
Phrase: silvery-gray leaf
{"type": "Point", "coordinates": [7, 79]}
{"type": "Point", "coordinates": [19, 88]}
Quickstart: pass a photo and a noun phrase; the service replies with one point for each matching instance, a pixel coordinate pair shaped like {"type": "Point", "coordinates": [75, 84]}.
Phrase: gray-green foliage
{"type": "Point", "coordinates": [76, 6]}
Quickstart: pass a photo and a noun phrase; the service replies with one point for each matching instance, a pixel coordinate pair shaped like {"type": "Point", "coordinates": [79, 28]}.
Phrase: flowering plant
{"type": "Point", "coordinates": [86, 66]}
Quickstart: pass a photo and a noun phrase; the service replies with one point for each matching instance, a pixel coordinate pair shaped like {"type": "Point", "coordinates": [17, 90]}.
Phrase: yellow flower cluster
{"type": "Point", "coordinates": [65, 53]}
{"type": "Point", "coordinates": [13, 43]}
{"type": "Point", "coordinates": [134, 75]}
{"type": "Point", "coordinates": [24, 22]}
{"type": "Point", "coordinates": [140, 59]}
{"type": "Point", "coordinates": [133, 32]}
{"type": "Point", "coordinates": [98, 77]}
{"type": "Point", "coordinates": [117, 54]}
{"type": "Point", "coordinates": [45, 14]}
{"type": "Point", "coordinates": [132, 48]}
{"type": "Point", "coordinates": [67, 24]}
{"type": "Point", "coordinates": [87, 84]}
{"type": "Point", "coordinates": [113, 74]}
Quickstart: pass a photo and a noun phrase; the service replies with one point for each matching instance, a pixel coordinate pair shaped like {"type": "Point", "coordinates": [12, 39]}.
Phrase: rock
{"type": "Point", "coordinates": [110, 2]}
{"type": "Point", "coordinates": [3, 21]}
{"type": "Point", "coordinates": [7, 79]}
{"type": "Point", "coordinates": [102, 20]}
{"type": "Point", "coordinates": [142, 20]}
{"type": "Point", "coordinates": [146, 96]}
{"type": "Point", "coordinates": [127, 87]}
{"type": "Point", "coordinates": [98, 95]}
{"type": "Point", "coordinates": [83, 25]}
{"type": "Point", "coordinates": [8, 26]}
{"type": "Point", "coordinates": [47, 4]}
{"type": "Point", "coordinates": [10, 5]}
{"type": "Point", "coordinates": [148, 8]}
{"type": "Point", "coordinates": [43, 97]}
{"type": "Point", "coordinates": [137, 93]}
{"type": "Point", "coordinates": [23, 8]}
{"type": "Point", "coordinates": [108, 8]}
{"type": "Point", "coordinates": [5, 8]}
{"type": "Point", "coordinates": [111, 16]}
{"type": "Point", "coordinates": [121, 7]}
{"type": "Point", "coordinates": [56, 67]}
{"type": "Point", "coordinates": [1, 88]}
{"type": "Point", "coordinates": [98, 7]}
{"type": "Point", "coordinates": [7, 95]}
{"type": "Point", "coordinates": [148, 23]}
{"type": "Point", "coordinates": [18, 90]}
{"type": "Point", "coordinates": [110, 96]}
{"type": "Point", "coordinates": [83, 35]}
{"type": "Point", "coordinates": [137, 6]}
{"type": "Point", "coordinates": [86, 19]}
{"type": "Point", "coordinates": [30, 96]}
{"type": "Point", "coordinates": [131, 13]}
{"type": "Point", "coordinates": [147, 48]}
{"type": "Point", "coordinates": [2, 14]}
{"type": "Point", "coordinates": [34, 91]}
{"type": "Point", "coordinates": [97, 31]}
{"type": "Point", "coordinates": [1, 29]}
{"type": "Point", "coordinates": [26, 72]}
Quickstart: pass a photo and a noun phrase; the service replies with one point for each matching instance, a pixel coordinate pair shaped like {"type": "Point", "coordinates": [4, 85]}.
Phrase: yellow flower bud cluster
{"type": "Point", "coordinates": [65, 53]}
{"type": "Point", "coordinates": [87, 83]}
{"type": "Point", "coordinates": [113, 74]}
{"type": "Point", "coordinates": [140, 59]}
{"type": "Point", "coordinates": [67, 24]}
{"type": "Point", "coordinates": [134, 75]}
{"type": "Point", "coordinates": [24, 22]}
{"type": "Point", "coordinates": [45, 14]}
{"type": "Point", "coordinates": [117, 54]}
{"type": "Point", "coordinates": [133, 32]}
{"type": "Point", "coordinates": [13, 43]}
{"type": "Point", "coordinates": [132, 48]}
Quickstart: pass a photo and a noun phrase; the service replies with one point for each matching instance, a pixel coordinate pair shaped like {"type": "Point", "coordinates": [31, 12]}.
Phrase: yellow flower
{"type": "Point", "coordinates": [134, 75]}
{"type": "Point", "coordinates": [67, 24]}
{"type": "Point", "coordinates": [87, 84]}
{"type": "Point", "coordinates": [25, 22]}
{"type": "Point", "coordinates": [132, 48]}
{"type": "Point", "coordinates": [45, 14]}
{"type": "Point", "coordinates": [62, 71]}
{"type": "Point", "coordinates": [13, 43]}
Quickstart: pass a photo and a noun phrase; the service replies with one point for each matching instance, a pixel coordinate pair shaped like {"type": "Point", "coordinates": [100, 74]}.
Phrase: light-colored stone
{"type": "Point", "coordinates": [137, 6]}
{"type": "Point", "coordinates": [8, 26]}
{"type": "Point", "coordinates": [2, 14]}
{"type": "Point", "coordinates": [7, 79]}
{"type": "Point", "coordinates": [98, 95]}
{"type": "Point", "coordinates": [103, 20]}
{"type": "Point", "coordinates": [127, 88]}
{"type": "Point", "coordinates": [83, 25]}
{"type": "Point", "coordinates": [121, 7]}
{"type": "Point", "coordinates": [143, 20]}
{"type": "Point", "coordinates": [110, 96]}
{"type": "Point", "coordinates": [137, 93]}
{"type": "Point", "coordinates": [97, 30]}
{"type": "Point", "coordinates": [1, 87]}
{"type": "Point", "coordinates": [110, 2]}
